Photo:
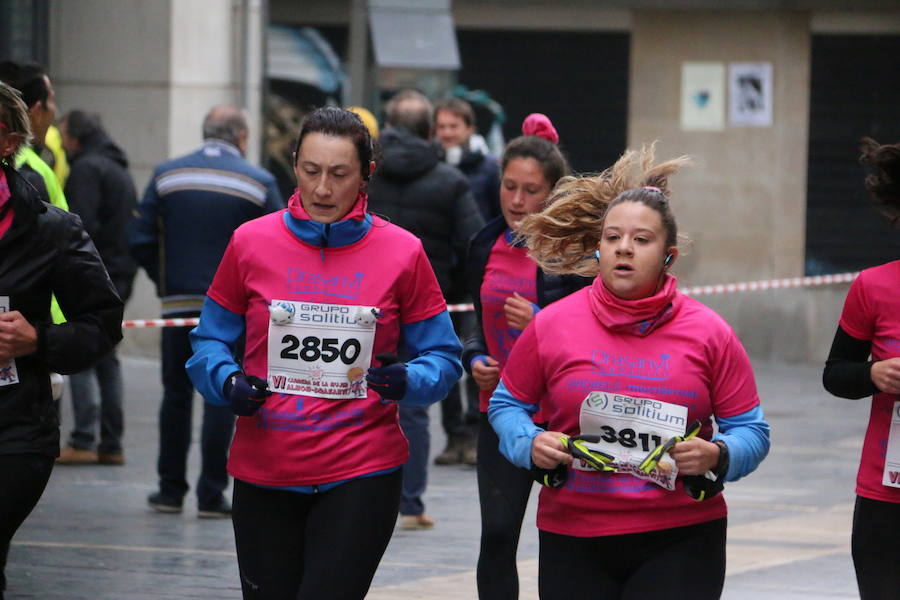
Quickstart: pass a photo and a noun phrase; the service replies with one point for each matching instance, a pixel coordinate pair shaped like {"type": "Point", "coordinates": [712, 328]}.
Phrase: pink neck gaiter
{"type": "Point", "coordinates": [6, 213]}
{"type": "Point", "coordinates": [635, 317]}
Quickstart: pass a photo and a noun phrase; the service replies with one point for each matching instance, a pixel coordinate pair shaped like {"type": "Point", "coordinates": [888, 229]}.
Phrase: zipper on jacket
{"type": "Point", "coordinates": [324, 241]}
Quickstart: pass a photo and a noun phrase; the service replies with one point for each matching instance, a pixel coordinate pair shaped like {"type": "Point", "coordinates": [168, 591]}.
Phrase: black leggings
{"type": "Point", "coordinates": [503, 490]}
{"type": "Point", "coordinates": [294, 546]}
{"type": "Point", "coordinates": [23, 478]}
{"type": "Point", "coordinates": [678, 563]}
{"type": "Point", "coordinates": [876, 546]}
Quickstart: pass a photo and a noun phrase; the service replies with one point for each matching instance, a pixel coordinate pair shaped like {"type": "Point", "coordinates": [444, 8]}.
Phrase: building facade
{"type": "Point", "coordinates": [777, 197]}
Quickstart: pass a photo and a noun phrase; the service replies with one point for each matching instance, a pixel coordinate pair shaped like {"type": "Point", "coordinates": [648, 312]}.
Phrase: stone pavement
{"type": "Point", "coordinates": [92, 535]}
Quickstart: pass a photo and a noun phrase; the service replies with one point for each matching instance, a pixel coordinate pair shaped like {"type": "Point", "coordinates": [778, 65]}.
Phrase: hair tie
{"type": "Point", "coordinates": [539, 125]}
{"type": "Point", "coordinates": [654, 189]}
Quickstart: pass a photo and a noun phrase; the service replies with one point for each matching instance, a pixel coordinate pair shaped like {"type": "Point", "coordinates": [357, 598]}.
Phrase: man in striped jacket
{"type": "Point", "coordinates": [190, 208]}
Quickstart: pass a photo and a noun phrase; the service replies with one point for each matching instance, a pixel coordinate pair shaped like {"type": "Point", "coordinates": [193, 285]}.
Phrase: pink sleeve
{"type": "Point", "coordinates": [856, 318]}
{"type": "Point", "coordinates": [421, 296]}
{"type": "Point", "coordinates": [228, 284]}
{"type": "Point", "coordinates": [523, 374]}
{"type": "Point", "coordinates": [733, 387]}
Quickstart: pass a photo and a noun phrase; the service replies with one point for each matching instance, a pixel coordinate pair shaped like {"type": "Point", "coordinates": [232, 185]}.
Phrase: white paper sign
{"type": "Point", "coordinates": [750, 94]}
{"type": "Point", "coordinates": [629, 429]}
{"type": "Point", "coordinates": [702, 96]}
{"type": "Point", "coordinates": [891, 477]}
{"type": "Point", "coordinates": [321, 350]}
{"type": "Point", "coordinates": [8, 373]}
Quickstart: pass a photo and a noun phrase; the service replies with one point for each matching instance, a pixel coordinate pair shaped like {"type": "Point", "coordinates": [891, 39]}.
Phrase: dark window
{"type": "Point", "coordinates": [23, 30]}
{"type": "Point", "coordinates": [578, 79]}
{"type": "Point", "coordinates": [855, 92]}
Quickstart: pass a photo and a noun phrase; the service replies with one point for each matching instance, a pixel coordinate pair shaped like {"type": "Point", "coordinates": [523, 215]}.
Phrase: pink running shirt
{"type": "Point", "coordinates": [508, 270]}
{"type": "Point", "coordinates": [694, 360]}
{"type": "Point", "coordinates": [872, 312]}
{"type": "Point", "coordinates": [302, 440]}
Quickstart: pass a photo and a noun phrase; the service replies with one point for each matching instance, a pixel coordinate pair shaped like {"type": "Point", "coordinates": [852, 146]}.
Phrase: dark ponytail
{"type": "Point", "coordinates": [883, 184]}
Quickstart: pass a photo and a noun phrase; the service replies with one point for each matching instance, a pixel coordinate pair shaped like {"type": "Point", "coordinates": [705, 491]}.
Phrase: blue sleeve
{"type": "Point", "coordinates": [747, 438]}
{"type": "Point", "coordinates": [143, 235]}
{"type": "Point", "coordinates": [535, 308]}
{"type": "Point", "coordinates": [274, 201]}
{"type": "Point", "coordinates": [511, 419]}
{"type": "Point", "coordinates": [435, 365]}
{"type": "Point", "coordinates": [214, 341]}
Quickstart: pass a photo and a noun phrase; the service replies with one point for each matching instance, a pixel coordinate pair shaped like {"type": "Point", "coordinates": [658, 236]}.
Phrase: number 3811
{"type": "Point", "coordinates": [629, 438]}
{"type": "Point", "coordinates": [327, 349]}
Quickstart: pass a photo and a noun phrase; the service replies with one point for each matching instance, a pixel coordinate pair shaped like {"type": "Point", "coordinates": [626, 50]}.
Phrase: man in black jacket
{"type": "Point", "coordinates": [431, 199]}
{"type": "Point", "coordinates": [43, 250]}
{"type": "Point", "coordinates": [101, 191]}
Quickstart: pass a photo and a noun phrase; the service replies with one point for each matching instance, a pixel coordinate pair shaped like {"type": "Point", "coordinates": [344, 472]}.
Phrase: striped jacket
{"type": "Point", "coordinates": [190, 208]}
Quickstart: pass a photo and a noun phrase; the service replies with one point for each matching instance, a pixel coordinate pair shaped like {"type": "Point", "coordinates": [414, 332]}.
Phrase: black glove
{"type": "Point", "coordinates": [700, 487]}
{"type": "Point", "coordinates": [554, 478]}
{"type": "Point", "coordinates": [389, 379]}
{"type": "Point", "coordinates": [245, 394]}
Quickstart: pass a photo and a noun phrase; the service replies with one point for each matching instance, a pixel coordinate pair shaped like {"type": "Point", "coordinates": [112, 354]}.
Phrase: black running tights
{"type": "Point", "coordinates": [876, 547]}
{"type": "Point", "coordinates": [23, 478]}
{"type": "Point", "coordinates": [294, 546]}
{"type": "Point", "coordinates": [503, 490]}
{"type": "Point", "coordinates": [669, 564]}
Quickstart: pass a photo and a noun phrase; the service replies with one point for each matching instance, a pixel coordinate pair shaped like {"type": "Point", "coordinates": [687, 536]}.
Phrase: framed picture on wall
{"type": "Point", "coordinates": [702, 96]}
{"type": "Point", "coordinates": [750, 94]}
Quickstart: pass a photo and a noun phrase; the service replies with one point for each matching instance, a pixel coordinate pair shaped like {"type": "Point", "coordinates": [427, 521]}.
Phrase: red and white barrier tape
{"type": "Point", "coordinates": [143, 323]}
{"type": "Point", "coordinates": [771, 284]}
{"type": "Point", "coordinates": [697, 290]}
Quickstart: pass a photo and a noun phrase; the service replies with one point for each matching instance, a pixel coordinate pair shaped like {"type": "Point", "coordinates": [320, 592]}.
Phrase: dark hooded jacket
{"type": "Point", "coordinates": [101, 191]}
{"type": "Point", "coordinates": [483, 171]}
{"type": "Point", "coordinates": [46, 250]}
{"type": "Point", "coordinates": [412, 188]}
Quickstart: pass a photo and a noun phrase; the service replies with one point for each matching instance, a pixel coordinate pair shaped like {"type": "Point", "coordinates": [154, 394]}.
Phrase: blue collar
{"type": "Point", "coordinates": [328, 235]}
{"type": "Point", "coordinates": [510, 236]}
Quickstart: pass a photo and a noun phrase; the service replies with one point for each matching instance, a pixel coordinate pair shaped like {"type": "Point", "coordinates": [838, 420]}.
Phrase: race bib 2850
{"type": "Point", "coordinates": [320, 350]}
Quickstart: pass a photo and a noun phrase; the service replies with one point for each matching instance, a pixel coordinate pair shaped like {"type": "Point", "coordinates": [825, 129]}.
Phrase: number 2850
{"type": "Point", "coordinates": [313, 349]}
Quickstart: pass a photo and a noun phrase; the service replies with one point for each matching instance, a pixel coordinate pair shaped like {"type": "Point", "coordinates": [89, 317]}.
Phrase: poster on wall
{"type": "Point", "coordinates": [702, 96]}
{"type": "Point", "coordinates": [750, 94]}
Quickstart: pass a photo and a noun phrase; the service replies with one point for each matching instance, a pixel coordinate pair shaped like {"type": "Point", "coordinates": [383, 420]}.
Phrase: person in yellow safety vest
{"type": "Point", "coordinates": [58, 162]}
{"type": "Point", "coordinates": [31, 81]}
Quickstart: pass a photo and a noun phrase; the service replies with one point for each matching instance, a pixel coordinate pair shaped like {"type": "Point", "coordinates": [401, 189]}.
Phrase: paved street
{"type": "Point", "coordinates": [92, 535]}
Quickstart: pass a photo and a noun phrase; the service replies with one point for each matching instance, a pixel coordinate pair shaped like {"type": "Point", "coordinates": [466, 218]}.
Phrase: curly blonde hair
{"type": "Point", "coordinates": [563, 236]}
